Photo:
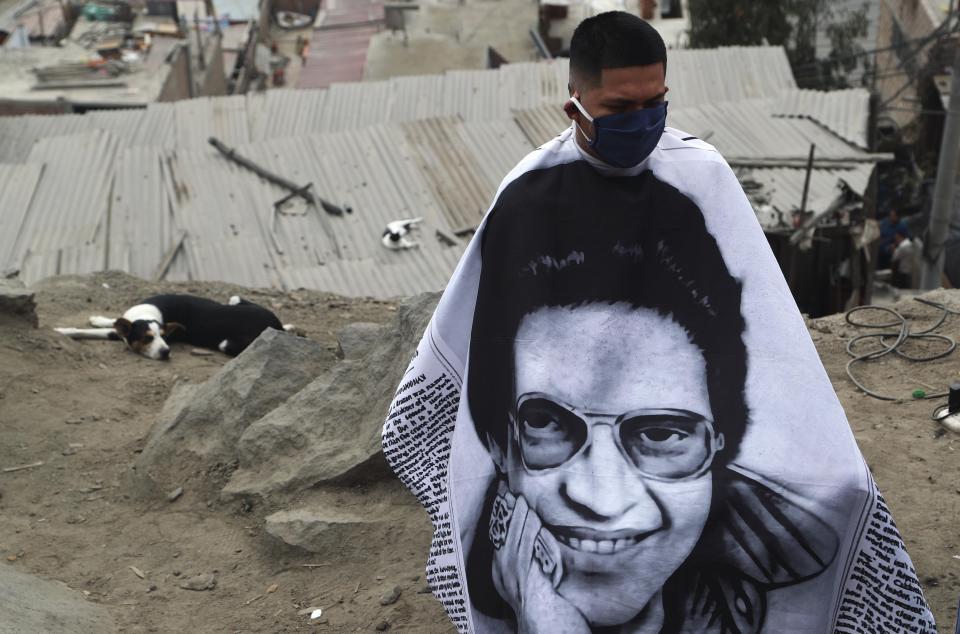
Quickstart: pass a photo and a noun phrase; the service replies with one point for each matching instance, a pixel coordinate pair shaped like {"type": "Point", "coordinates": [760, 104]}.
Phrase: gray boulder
{"type": "Point", "coordinates": [330, 430]}
{"type": "Point", "coordinates": [31, 604]}
{"type": "Point", "coordinates": [201, 424]}
{"type": "Point", "coordinates": [16, 302]}
{"type": "Point", "coordinates": [315, 530]}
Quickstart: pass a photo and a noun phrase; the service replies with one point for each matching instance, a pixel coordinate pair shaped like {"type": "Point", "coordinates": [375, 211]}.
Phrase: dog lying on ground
{"type": "Point", "coordinates": [149, 327]}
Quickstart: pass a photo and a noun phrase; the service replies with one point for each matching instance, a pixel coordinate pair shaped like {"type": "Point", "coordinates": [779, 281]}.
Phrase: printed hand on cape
{"type": "Point", "coordinates": [527, 569]}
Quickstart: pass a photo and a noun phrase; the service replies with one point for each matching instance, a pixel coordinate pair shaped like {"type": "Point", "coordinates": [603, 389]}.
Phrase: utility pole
{"type": "Point", "coordinates": [933, 248]}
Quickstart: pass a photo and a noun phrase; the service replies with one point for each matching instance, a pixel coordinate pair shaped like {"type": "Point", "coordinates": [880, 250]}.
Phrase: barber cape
{"type": "Point", "coordinates": [779, 526]}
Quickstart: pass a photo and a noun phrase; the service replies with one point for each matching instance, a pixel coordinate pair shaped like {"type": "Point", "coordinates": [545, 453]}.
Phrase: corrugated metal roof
{"type": "Point", "coordinates": [846, 113]}
{"type": "Point", "coordinates": [462, 167]}
{"type": "Point", "coordinates": [18, 184]}
{"type": "Point", "coordinates": [778, 191]}
{"type": "Point", "coordinates": [745, 132]}
{"type": "Point", "coordinates": [66, 215]}
{"type": "Point", "coordinates": [371, 146]}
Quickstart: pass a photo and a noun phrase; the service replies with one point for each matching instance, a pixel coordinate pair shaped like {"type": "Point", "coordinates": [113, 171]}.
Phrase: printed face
{"type": "Point", "coordinates": [611, 437]}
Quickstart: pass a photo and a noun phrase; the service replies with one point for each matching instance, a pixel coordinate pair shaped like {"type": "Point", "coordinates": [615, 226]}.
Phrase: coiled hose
{"type": "Point", "coordinates": [892, 341]}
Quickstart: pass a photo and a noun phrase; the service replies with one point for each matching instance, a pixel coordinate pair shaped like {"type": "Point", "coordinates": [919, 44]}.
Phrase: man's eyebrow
{"type": "Point", "coordinates": [656, 98]}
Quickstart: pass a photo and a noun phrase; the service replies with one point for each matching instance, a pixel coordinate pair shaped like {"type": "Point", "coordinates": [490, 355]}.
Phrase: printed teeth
{"type": "Point", "coordinates": [601, 547]}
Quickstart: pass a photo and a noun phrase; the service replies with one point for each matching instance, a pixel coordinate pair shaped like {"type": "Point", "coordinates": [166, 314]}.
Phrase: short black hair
{"type": "Point", "coordinates": [635, 240]}
{"type": "Point", "coordinates": [614, 39]}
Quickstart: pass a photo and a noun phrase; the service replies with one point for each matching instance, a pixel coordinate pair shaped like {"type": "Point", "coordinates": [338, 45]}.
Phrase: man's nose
{"type": "Point", "coordinates": [601, 485]}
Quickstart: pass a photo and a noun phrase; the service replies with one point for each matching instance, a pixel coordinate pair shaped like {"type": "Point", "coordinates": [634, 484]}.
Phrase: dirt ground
{"type": "Point", "coordinates": [84, 409]}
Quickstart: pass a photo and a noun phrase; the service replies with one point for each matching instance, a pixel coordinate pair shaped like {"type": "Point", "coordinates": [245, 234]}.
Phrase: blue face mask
{"type": "Point", "coordinates": [627, 138]}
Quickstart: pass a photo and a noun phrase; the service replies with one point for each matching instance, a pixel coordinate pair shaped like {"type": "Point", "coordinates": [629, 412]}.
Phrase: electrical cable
{"type": "Point", "coordinates": [901, 337]}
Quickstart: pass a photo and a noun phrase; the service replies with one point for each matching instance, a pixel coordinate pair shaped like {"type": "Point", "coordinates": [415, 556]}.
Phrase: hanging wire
{"type": "Point", "coordinates": [892, 341]}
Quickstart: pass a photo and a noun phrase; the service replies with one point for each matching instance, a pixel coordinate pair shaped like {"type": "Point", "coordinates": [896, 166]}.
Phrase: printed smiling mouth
{"type": "Point", "coordinates": [598, 542]}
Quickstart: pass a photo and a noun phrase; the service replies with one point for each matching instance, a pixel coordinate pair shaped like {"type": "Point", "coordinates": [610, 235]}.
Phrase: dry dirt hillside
{"type": "Point", "coordinates": [84, 410]}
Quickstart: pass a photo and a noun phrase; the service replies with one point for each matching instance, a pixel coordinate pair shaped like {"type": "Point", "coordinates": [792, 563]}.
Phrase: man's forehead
{"type": "Point", "coordinates": [629, 82]}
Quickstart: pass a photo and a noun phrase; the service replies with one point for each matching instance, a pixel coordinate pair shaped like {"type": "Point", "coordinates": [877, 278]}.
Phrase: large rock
{"type": "Point", "coordinates": [201, 425]}
{"type": "Point", "coordinates": [330, 430]}
{"type": "Point", "coordinates": [30, 604]}
{"type": "Point", "coordinates": [16, 302]}
{"type": "Point", "coordinates": [315, 530]}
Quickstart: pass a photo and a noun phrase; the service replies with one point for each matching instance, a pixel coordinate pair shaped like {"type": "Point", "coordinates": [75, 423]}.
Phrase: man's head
{"type": "Point", "coordinates": [618, 64]}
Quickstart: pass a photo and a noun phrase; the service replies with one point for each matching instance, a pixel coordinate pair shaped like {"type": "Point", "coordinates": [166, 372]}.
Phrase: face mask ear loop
{"type": "Point", "coordinates": [576, 102]}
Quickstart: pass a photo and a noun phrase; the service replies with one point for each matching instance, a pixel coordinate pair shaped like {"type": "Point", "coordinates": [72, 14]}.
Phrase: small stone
{"type": "Point", "coordinates": [69, 451]}
{"type": "Point", "coordinates": [389, 598]}
{"type": "Point", "coordinates": [176, 573]}
{"type": "Point", "coordinates": [383, 626]}
{"type": "Point", "coordinates": [931, 582]}
{"type": "Point", "coordinates": [74, 421]}
{"type": "Point", "coordinates": [151, 587]}
{"type": "Point", "coordinates": [200, 583]}
{"type": "Point", "coordinates": [174, 495]}
{"type": "Point", "coordinates": [11, 557]}
{"type": "Point", "coordinates": [272, 588]}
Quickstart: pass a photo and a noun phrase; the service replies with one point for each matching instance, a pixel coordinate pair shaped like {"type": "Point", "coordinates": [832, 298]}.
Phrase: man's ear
{"type": "Point", "coordinates": [172, 327]}
{"type": "Point", "coordinates": [570, 109]}
{"type": "Point", "coordinates": [123, 327]}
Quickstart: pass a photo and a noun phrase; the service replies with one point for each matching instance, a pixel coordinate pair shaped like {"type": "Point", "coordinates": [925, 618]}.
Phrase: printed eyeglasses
{"type": "Point", "coordinates": [662, 444]}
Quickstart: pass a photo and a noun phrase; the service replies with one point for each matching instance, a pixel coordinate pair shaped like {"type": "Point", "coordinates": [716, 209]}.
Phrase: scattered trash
{"type": "Point", "coordinates": [390, 597]}
{"type": "Point", "coordinates": [174, 495]}
{"type": "Point", "coordinates": [137, 572]}
{"type": "Point", "coordinates": [105, 285]}
{"type": "Point", "coordinates": [38, 463]}
{"type": "Point", "coordinates": [198, 352]}
{"type": "Point", "coordinates": [394, 236]}
{"type": "Point", "coordinates": [919, 394]}
{"type": "Point", "coordinates": [200, 582]}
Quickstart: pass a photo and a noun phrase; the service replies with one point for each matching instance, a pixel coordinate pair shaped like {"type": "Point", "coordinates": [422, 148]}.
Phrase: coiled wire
{"type": "Point", "coordinates": [891, 341]}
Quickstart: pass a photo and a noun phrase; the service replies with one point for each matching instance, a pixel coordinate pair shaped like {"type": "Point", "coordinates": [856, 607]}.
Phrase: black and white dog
{"type": "Point", "coordinates": [149, 327]}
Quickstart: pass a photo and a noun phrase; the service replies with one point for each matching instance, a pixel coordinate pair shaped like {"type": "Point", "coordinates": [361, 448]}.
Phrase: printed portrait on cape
{"type": "Point", "coordinates": [607, 381]}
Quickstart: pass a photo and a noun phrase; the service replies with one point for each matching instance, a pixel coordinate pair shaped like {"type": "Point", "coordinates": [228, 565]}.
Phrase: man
{"type": "Point", "coordinates": [616, 419]}
{"type": "Point", "coordinates": [890, 226]}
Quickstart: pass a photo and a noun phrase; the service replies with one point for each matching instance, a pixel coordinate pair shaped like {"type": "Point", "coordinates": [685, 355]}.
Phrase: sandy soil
{"type": "Point", "coordinates": [85, 408]}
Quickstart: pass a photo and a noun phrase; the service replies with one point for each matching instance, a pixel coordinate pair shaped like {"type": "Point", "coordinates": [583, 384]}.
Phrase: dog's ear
{"type": "Point", "coordinates": [171, 327]}
{"type": "Point", "coordinates": [123, 327]}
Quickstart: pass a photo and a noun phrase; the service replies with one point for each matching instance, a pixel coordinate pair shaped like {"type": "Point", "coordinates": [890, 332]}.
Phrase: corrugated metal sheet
{"type": "Point", "coordinates": [18, 184]}
{"type": "Point", "coordinates": [745, 132]}
{"type": "Point", "coordinates": [846, 113]}
{"type": "Point", "coordinates": [141, 227]}
{"type": "Point", "coordinates": [454, 171]}
{"type": "Point", "coordinates": [780, 190]}
{"type": "Point", "coordinates": [704, 76]}
{"type": "Point", "coordinates": [65, 221]}
{"type": "Point", "coordinates": [541, 124]}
